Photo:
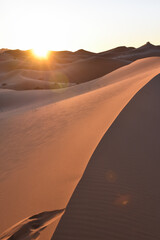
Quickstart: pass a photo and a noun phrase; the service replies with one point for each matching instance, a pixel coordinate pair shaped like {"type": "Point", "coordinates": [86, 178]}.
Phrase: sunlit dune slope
{"type": "Point", "coordinates": [48, 145]}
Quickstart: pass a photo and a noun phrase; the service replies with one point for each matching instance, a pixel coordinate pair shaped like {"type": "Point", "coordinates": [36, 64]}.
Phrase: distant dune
{"type": "Point", "coordinates": [83, 132]}
{"type": "Point", "coordinates": [147, 50]}
{"type": "Point", "coordinates": [116, 52]}
{"type": "Point", "coordinates": [65, 66]}
{"type": "Point", "coordinates": [92, 68]}
{"type": "Point", "coordinates": [15, 77]}
{"type": "Point", "coordinates": [129, 53]}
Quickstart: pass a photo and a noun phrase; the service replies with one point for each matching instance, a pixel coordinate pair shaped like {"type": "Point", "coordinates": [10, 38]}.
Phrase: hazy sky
{"type": "Point", "coordinates": [94, 25]}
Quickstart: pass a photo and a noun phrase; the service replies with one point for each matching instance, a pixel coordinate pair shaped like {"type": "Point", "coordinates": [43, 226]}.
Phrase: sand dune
{"type": "Point", "coordinates": [91, 68]}
{"type": "Point", "coordinates": [65, 67]}
{"type": "Point", "coordinates": [123, 52]}
{"type": "Point", "coordinates": [84, 53]}
{"type": "Point", "coordinates": [147, 50]}
{"type": "Point", "coordinates": [32, 79]}
{"type": "Point", "coordinates": [132, 54]}
{"type": "Point", "coordinates": [116, 52]}
{"type": "Point", "coordinates": [10, 63]}
{"type": "Point", "coordinates": [49, 143]}
{"type": "Point", "coordinates": [31, 227]}
{"type": "Point", "coordinates": [55, 56]}
{"type": "Point", "coordinates": [81, 71]}
{"type": "Point", "coordinates": [118, 195]}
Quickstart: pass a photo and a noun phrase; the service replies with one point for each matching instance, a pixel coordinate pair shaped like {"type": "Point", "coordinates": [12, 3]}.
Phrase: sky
{"type": "Point", "coordinates": [93, 25]}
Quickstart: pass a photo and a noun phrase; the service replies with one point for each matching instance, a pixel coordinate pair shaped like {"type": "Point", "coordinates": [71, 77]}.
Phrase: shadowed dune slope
{"type": "Point", "coordinates": [92, 68]}
{"type": "Point", "coordinates": [48, 145]}
{"type": "Point", "coordinates": [118, 195]}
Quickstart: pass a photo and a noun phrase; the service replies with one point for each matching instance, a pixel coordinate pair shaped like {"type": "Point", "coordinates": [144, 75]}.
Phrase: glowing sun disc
{"type": "Point", "coordinates": [40, 52]}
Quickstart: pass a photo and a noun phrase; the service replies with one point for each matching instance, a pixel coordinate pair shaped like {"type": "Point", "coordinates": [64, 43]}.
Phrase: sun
{"type": "Point", "coordinates": [41, 53]}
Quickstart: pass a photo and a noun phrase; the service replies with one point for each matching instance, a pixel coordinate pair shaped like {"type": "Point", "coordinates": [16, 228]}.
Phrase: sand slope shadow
{"type": "Point", "coordinates": [118, 196]}
{"type": "Point", "coordinates": [31, 227]}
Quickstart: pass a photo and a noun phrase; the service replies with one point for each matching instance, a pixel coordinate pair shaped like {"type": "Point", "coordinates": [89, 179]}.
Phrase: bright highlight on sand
{"type": "Point", "coordinates": [40, 52]}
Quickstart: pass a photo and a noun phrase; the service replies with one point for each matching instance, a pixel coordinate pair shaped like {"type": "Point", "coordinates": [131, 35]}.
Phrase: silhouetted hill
{"type": "Point", "coordinates": [115, 51]}
{"type": "Point", "coordinates": [147, 50]}
{"type": "Point", "coordinates": [84, 53]}
{"type": "Point", "coordinates": [69, 57]}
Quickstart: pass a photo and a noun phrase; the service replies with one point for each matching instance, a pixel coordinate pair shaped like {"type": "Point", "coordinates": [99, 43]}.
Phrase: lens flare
{"type": "Point", "coordinates": [123, 199]}
{"type": "Point", "coordinates": [111, 176]}
{"type": "Point", "coordinates": [59, 79]}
